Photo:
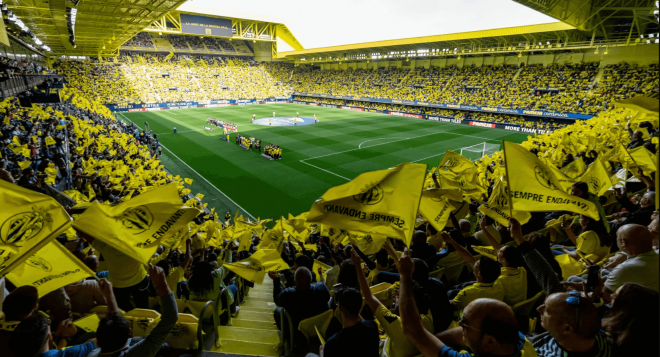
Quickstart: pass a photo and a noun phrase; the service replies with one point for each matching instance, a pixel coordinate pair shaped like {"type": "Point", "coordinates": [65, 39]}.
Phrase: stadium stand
{"type": "Point", "coordinates": [106, 252]}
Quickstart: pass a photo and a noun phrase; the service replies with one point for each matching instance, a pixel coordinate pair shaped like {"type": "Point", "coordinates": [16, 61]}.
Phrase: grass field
{"type": "Point", "coordinates": [315, 157]}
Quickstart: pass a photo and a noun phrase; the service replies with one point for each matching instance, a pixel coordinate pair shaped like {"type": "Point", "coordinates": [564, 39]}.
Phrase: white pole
{"type": "Point", "coordinates": [483, 152]}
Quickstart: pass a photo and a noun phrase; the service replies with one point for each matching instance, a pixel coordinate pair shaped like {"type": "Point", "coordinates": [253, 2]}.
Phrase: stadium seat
{"type": "Point", "coordinates": [525, 307]}
{"type": "Point", "coordinates": [142, 321]}
{"type": "Point", "coordinates": [187, 333]}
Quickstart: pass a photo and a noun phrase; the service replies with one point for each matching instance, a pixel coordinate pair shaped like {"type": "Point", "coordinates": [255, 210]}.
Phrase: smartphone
{"type": "Point", "coordinates": [336, 288]}
{"type": "Point", "coordinates": [592, 277]}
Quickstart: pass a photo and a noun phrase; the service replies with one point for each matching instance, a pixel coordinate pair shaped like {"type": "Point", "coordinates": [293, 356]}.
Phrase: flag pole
{"type": "Point", "coordinates": [508, 182]}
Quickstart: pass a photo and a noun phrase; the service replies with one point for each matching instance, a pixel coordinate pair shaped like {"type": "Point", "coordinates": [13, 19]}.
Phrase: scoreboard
{"type": "Point", "coordinates": [204, 25]}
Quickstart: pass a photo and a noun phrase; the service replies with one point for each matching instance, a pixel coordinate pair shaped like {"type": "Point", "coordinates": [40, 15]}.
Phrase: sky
{"type": "Point", "coordinates": [340, 22]}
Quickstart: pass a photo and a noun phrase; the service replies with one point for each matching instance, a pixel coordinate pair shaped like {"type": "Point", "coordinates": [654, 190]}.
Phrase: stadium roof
{"type": "Point", "coordinates": [244, 26]}
{"type": "Point", "coordinates": [609, 19]}
{"type": "Point", "coordinates": [101, 26]}
{"type": "Point", "coordinates": [474, 42]}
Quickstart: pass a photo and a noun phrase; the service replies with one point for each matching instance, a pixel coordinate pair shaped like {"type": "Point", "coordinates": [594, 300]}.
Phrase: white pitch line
{"type": "Point", "coordinates": [360, 146]}
{"type": "Point", "coordinates": [442, 153]}
{"type": "Point", "coordinates": [330, 172]}
{"type": "Point", "coordinates": [203, 178]}
{"type": "Point", "coordinates": [389, 142]}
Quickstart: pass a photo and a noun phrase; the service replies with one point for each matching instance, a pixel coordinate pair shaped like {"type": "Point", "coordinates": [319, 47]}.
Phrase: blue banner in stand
{"type": "Point", "coordinates": [533, 113]}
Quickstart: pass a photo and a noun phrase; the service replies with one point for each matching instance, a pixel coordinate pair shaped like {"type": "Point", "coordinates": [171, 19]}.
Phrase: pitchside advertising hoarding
{"type": "Point", "coordinates": [135, 107]}
{"type": "Point", "coordinates": [204, 25]}
{"type": "Point", "coordinates": [474, 108]}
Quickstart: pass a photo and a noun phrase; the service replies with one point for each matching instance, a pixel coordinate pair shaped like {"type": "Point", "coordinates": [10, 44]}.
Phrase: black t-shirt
{"type": "Point", "coordinates": [360, 340]}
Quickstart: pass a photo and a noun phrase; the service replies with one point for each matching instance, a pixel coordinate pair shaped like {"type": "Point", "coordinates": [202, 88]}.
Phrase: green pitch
{"type": "Point", "coordinates": [315, 157]}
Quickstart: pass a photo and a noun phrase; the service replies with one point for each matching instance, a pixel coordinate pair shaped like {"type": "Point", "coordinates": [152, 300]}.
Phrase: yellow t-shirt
{"type": "Point", "coordinates": [398, 345]}
{"type": "Point", "coordinates": [514, 284]}
{"type": "Point", "coordinates": [124, 271]}
{"type": "Point", "coordinates": [589, 243]}
{"type": "Point", "coordinates": [478, 291]}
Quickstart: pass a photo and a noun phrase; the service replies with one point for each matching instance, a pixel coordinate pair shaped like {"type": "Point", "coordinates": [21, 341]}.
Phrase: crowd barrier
{"type": "Point", "coordinates": [474, 108]}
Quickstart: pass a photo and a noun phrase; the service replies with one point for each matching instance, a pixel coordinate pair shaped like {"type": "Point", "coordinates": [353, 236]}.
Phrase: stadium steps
{"type": "Point", "coordinates": [253, 331]}
{"type": "Point", "coordinates": [515, 76]}
{"type": "Point", "coordinates": [599, 76]}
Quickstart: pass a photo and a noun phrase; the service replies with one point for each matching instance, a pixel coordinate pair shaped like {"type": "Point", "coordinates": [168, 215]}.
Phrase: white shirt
{"type": "Point", "coordinates": [641, 269]}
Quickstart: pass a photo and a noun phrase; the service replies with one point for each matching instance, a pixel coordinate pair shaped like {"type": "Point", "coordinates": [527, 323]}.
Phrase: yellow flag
{"type": "Point", "coordinates": [324, 268]}
{"type": "Point", "coordinates": [50, 141]}
{"type": "Point", "coordinates": [136, 227]}
{"type": "Point", "coordinates": [597, 178]}
{"type": "Point", "coordinates": [255, 267]}
{"type": "Point", "coordinates": [643, 158]}
{"type": "Point", "coordinates": [89, 323]}
{"type": "Point", "coordinates": [535, 188]}
{"type": "Point", "coordinates": [24, 164]}
{"type": "Point", "coordinates": [640, 103]}
{"type": "Point", "coordinates": [368, 243]}
{"type": "Point", "coordinates": [50, 268]}
{"type": "Point", "coordinates": [15, 140]}
{"type": "Point", "coordinates": [189, 181]}
{"type": "Point", "coordinates": [486, 251]}
{"type": "Point", "coordinates": [28, 221]}
{"type": "Point", "coordinates": [435, 206]}
{"type": "Point", "coordinates": [565, 181]}
{"type": "Point", "coordinates": [243, 232]}
{"type": "Point", "coordinates": [575, 169]}
{"type": "Point", "coordinates": [497, 206]}
{"type": "Point", "coordinates": [273, 238]}
{"type": "Point", "coordinates": [457, 164]}
{"type": "Point", "coordinates": [377, 202]}
{"type": "Point", "coordinates": [298, 222]}
{"type": "Point", "coordinates": [464, 182]}
{"type": "Point", "coordinates": [334, 235]}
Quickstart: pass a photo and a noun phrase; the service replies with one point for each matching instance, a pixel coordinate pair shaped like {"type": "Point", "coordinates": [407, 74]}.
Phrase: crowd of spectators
{"type": "Point", "coordinates": [498, 268]}
{"type": "Point", "coordinates": [142, 39]}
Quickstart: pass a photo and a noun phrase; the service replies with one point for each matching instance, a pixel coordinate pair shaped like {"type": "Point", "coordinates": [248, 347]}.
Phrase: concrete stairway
{"type": "Point", "coordinates": [253, 331]}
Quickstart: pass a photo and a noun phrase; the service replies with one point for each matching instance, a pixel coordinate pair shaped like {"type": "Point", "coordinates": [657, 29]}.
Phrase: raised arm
{"type": "Point", "coordinates": [540, 268]}
{"type": "Point", "coordinates": [391, 252]}
{"type": "Point", "coordinates": [369, 297]}
{"type": "Point", "coordinates": [425, 342]}
{"type": "Point", "coordinates": [482, 223]}
{"type": "Point", "coordinates": [106, 291]}
{"type": "Point", "coordinates": [188, 258]}
{"type": "Point", "coordinates": [366, 260]}
{"type": "Point", "coordinates": [462, 252]}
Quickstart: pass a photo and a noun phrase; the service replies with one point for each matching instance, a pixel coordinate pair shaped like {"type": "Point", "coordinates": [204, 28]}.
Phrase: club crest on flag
{"type": "Point", "coordinates": [594, 184]}
{"type": "Point", "coordinates": [39, 262]}
{"type": "Point", "coordinates": [543, 176]}
{"type": "Point", "coordinates": [21, 227]}
{"type": "Point", "coordinates": [451, 162]}
{"type": "Point", "coordinates": [138, 219]}
{"type": "Point", "coordinates": [373, 195]}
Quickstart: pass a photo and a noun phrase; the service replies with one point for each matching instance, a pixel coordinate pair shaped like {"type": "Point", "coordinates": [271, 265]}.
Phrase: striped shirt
{"type": "Point", "coordinates": [547, 346]}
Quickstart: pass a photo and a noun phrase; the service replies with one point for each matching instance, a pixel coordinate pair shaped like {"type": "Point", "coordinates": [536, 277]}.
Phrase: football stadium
{"type": "Point", "coordinates": [181, 179]}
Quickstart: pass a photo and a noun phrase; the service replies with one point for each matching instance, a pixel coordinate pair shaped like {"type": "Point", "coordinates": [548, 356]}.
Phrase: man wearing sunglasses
{"type": "Point", "coordinates": [488, 327]}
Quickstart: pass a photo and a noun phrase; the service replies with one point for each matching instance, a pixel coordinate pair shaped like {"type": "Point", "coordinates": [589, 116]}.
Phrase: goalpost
{"type": "Point", "coordinates": [476, 152]}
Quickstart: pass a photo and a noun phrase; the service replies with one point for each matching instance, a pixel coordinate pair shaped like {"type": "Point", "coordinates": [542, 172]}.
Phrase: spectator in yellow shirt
{"type": "Point", "coordinates": [486, 270]}
{"type": "Point", "coordinates": [396, 344]}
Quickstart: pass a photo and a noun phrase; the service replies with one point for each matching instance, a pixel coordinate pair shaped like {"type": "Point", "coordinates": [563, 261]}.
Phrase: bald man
{"type": "Point", "coordinates": [304, 300]}
{"type": "Point", "coordinates": [573, 328]}
{"type": "Point", "coordinates": [641, 267]}
{"type": "Point", "coordinates": [488, 327]}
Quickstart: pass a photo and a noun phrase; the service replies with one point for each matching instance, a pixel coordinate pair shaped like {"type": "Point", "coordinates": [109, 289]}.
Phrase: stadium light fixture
{"type": "Point", "coordinates": [596, 52]}
{"type": "Point", "coordinates": [606, 51]}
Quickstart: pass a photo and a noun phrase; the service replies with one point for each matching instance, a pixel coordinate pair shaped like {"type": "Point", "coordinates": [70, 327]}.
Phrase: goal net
{"type": "Point", "coordinates": [475, 152]}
